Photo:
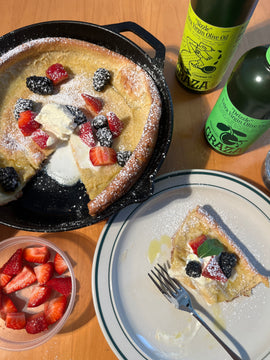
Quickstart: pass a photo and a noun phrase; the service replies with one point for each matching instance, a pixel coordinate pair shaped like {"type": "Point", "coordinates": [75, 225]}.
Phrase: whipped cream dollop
{"type": "Point", "coordinates": [57, 120]}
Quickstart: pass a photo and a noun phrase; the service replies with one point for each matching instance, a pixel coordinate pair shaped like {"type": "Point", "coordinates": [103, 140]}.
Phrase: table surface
{"type": "Point", "coordinates": [189, 150]}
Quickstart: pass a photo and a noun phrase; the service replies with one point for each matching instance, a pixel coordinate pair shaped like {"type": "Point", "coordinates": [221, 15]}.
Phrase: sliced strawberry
{"type": "Point", "coordinates": [54, 309]}
{"type": "Point", "coordinates": [39, 295]}
{"type": "Point", "coordinates": [40, 137]}
{"type": "Point", "coordinates": [86, 134]}
{"type": "Point", "coordinates": [60, 265]}
{"type": "Point", "coordinates": [38, 255]}
{"type": "Point", "coordinates": [44, 272]}
{"type": "Point", "coordinates": [56, 73]}
{"type": "Point", "coordinates": [4, 279]}
{"type": "Point", "coordinates": [36, 323]}
{"type": "Point", "coordinates": [7, 306]}
{"type": "Point", "coordinates": [25, 278]}
{"type": "Point", "coordinates": [195, 243]}
{"type": "Point", "coordinates": [102, 155]}
{"type": "Point", "coordinates": [27, 123]}
{"type": "Point", "coordinates": [115, 124]}
{"type": "Point", "coordinates": [61, 284]}
{"type": "Point", "coordinates": [15, 320]}
{"type": "Point", "coordinates": [212, 270]}
{"type": "Point", "coordinates": [93, 104]}
{"type": "Point", "coordinates": [14, 264]}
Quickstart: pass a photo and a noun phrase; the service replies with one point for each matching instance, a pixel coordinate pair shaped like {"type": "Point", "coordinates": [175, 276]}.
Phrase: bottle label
{"type": "Point", "coordinates": [228, 130]}
{"type": "Point", "coordinates": [205, 52]}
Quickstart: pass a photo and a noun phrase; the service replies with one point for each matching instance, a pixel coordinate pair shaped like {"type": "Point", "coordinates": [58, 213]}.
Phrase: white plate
{"type": "Point", "coordinates": [137, 321]}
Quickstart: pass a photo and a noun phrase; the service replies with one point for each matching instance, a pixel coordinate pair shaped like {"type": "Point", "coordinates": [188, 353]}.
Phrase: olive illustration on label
{"type": "Point", "coordinates": [229, 135]}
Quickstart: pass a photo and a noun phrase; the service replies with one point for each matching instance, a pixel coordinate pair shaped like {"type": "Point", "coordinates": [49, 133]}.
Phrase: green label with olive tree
{"type": "Point", "coordinates": [205, 52]}
{"type": "Point", "coordinates": [229, 131]}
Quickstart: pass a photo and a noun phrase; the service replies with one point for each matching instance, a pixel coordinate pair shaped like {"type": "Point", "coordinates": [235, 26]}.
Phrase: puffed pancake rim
{"type": "Point", "coordinates": [245, 278]}
{"type": "Point", "coordinates": [132, 95]}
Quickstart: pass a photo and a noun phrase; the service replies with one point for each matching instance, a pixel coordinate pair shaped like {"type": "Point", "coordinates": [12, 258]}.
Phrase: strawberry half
{"type": "Point", "coordinates": [56, 73]}
{"type": "Point", "coordinates": [54, 309]}
{"type": "Point", "coordinates": [25, 278]}
{"type": "Point", "coordinates": [40, 137]}
{"type": "Point", "coordinates": [115, 124]}
{"type": "Point", "coordinates": [7, 306]}
{"type": "Point", "coordinates": [195, 243]}
{"type": "Point", "coordinates": [93, 104]}
{"type": "Point", "coordinates": [38, 255]}
{"type": "Point", "coordinates": [61, 284]}
{"type": "Point", "coordinates": [44, 272]}
{"type": "Point", "coordinates": [39, 295]}
{"type": "Point", "coordinates": [102, 155]}
{"type": "Point", "coordinates": [86, 134]}
{"type": "Point", "coordinates": [27, 123]}
{"type": "Point", "coordinates": [212, 270]}
{"type": "Point", "coordinates": [36, 323]}
{"type": "Point", "coordinates": [15, 320]}
{"type": "Point", "coordinates": [60, 265]}
{"type": "Point", "coordinates": [14, 264]}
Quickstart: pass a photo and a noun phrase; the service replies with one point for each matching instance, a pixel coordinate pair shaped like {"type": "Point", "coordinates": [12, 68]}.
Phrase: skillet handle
{"type": "Point", "coordinates": [159, 57]}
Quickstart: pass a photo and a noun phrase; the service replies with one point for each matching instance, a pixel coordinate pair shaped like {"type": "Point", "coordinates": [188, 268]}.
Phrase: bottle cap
{"type": "Point", "coordinates": [266, 171]}
{"type": "Point", "coordinates": [268, 55]}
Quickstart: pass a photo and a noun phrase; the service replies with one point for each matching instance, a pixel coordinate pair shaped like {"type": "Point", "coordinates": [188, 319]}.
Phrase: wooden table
{"type": "Point", "coordinates": [81, 338]}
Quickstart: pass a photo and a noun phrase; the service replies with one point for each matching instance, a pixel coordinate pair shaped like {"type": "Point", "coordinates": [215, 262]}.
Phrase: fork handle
{"type": "Point", "coordinates": [229, 351]}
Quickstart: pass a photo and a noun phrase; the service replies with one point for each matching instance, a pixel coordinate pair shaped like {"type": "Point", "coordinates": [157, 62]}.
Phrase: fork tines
{"type": "Point", "coordinates": [163, 281]}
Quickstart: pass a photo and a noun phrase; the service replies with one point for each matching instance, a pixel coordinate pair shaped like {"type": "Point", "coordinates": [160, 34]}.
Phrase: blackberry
{"type": "Point", "coordinates": [122, 157]}
{"type": "Point", "coordinates": [101, 78]}
{"type": "Point", "coordinates": [194, 269]}
{"type": "Point", "coordinates": [100, 121]}
{"type": "Point", "coordinates": [22, 105]}
{"type": "Point", "coordinates": [79, 117]}
{"type": "Point", "coordinates": [227, 262]}
{"type": "Point", "coordinates": [104, 137]}
{"type": "Point", "coordinates": [40, 85]}
{"type": "Point", "coordinates": [9, 179]}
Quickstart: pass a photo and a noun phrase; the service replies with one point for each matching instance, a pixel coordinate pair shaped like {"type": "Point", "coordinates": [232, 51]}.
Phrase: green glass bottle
{"type": "Point", "coordinates": [212, 32]}
{"type": "Point", "coordinates": [242, 111]}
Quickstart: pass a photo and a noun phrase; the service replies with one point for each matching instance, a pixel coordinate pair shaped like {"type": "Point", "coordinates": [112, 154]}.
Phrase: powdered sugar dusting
{"type": "Point", "coordinates": [69, 93]}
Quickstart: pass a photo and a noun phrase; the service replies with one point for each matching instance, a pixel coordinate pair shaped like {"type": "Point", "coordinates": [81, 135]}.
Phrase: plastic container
{"type": "Point", "coordinates": [18, 340]}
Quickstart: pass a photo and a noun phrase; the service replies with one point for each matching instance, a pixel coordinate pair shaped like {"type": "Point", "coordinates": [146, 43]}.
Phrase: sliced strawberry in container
{"type": "Point", "coordinates": [7, 306]}
{"type": "Point", "coordinates": [54, 309]}
{"type": "Point", "coordinates": [44, 272]}
{"type": "Point", "coordinates": [4, 279]}
{"type": "Point", "coordinates": [25, 278]}
{"type": "Point", "coordinates": [195, 243]}
{"type": "Point", "coordinates": [15, 320]}
{"type": "Point", "coordinates": [115, 124]}
{"type": "Point", "coordinates": [40, 137]}
{"type": "Point", "coordinates": [61, 284]}
{"type": "Point", "coordinates": [39, 295]}
{"type": "Point", "coordinates": [14, 264]}
{"type": "Point", "coordinates": [93, 104]}
{"type": "Point", "coordinates": [57, 73]}
{"type": "Point", "coordinates": [86, 134]}
{"type": "Point", "coordinates": [38, 255]}
{"type": "Point", "coordinates": [36, 323]}
{"type": "Point", "coordinates": [60, 265]}
{"type": "Point", "coordinates": [102, 155]}
{"type": "Point", "coordinates": [27, 123]}
{"type": "Point", "coordinates": [212, 270]}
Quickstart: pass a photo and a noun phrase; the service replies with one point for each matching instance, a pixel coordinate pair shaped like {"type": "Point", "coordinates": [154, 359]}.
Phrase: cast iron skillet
{"type": "Point", "coordinates": [47, 206]}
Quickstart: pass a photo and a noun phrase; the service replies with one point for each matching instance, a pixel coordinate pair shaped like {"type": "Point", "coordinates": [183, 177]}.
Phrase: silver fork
{"type": "Point", "coordinates": [178, 296]}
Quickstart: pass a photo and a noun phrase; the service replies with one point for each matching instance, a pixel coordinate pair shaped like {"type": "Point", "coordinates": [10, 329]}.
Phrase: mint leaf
{"type": "Point", "coordinates": [210, 247]}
